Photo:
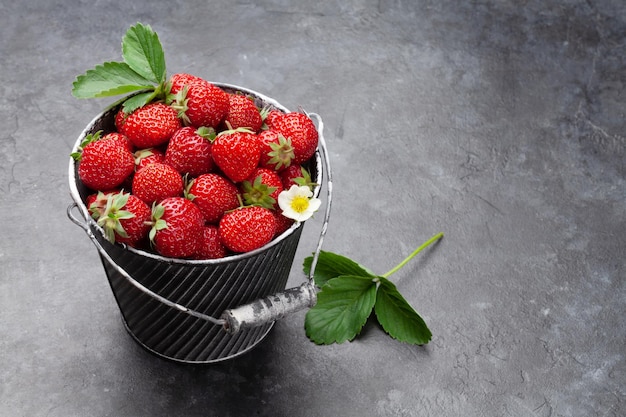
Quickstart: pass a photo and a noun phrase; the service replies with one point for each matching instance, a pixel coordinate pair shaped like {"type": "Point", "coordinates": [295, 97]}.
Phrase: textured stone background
{"type": "Point", "coordinates": [499, 123]}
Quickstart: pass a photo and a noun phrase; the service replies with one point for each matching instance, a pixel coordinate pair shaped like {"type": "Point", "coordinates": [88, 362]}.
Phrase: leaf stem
{"type": "Point", "coordinates": [415, 252]}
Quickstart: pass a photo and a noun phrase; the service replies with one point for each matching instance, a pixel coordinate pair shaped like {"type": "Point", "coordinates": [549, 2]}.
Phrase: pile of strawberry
{"type": "Point", "coordinates": [197, 175]}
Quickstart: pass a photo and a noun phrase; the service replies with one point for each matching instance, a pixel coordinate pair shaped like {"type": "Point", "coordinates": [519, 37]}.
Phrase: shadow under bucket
{"type": "Point", "coordinates": [169, 305]}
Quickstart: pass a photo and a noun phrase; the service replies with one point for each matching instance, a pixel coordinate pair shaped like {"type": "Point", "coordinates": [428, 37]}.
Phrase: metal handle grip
{"type": "Point", "coordinates": [270, 308]}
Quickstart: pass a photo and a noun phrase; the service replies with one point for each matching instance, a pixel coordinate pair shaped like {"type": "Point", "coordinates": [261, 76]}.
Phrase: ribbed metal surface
{"type": "Point", "coordinates": [209, 289]}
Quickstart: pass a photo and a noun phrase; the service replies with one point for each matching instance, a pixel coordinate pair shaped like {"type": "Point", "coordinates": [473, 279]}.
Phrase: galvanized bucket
{"type": "Point", "coordinates": [210, 310]}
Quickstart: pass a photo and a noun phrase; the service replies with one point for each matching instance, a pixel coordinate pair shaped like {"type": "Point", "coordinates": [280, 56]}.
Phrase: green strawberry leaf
{"type": "Point", "coordinates": [397, 317]}
{"type": "Point", "coordinates": [344, 305]}
{"type": "Point", "coordinates": [330, 265]}
{"type": "Point", "coordinates": [345, 302]}
{"type": "Point", "coordinates": [142, 51]}
{"type": "Point", "coordinates": [109, 79]}
{"type": "Point", "coordinates": [139, 100]}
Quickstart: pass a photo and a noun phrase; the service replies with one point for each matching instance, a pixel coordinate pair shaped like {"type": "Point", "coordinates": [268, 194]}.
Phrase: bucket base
{"type": "Point", "coordinates": [257, 338]}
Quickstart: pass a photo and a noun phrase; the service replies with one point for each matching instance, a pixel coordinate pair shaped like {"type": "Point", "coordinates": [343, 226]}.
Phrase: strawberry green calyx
{"type": "Point", "coordinates": [281, 154]}
{"type": "Point", "coordinates": [187, 184]}
{"type": "Point", "coordinates": [90, 138]}
{"type": "Point", "coordinates": [157, 222]}
{"type": "Point", "coordinates": [112, 214]}
{"type": "Point", "coordinates": [96, 208]}
{"type": "Point", "coordinates": [230, 130]}
{"type": "Point", "coordinates": [142, 153]}
{"type": "Point", "coordinates": [179, 102]}
{"type": "Point", "coordinates": [305, 179]}
{"type": "Point", "coordinates": [207, 133]}
{"type": "Point", "coordinates": [264, 112]}
{"type": "Point", "coordinates": [258, 194]}
{"type": "Point", "coordinates": [242, 205]}
{"type": "Point", "coordinates": [169, 96]}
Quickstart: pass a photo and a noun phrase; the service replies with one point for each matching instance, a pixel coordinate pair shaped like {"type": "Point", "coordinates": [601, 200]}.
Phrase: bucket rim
{"type": "Point", "coordinates": [75, 194]}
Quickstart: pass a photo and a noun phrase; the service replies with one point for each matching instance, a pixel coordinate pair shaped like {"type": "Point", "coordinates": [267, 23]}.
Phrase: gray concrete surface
{"type": "Point", "coordinates": [499, 123]}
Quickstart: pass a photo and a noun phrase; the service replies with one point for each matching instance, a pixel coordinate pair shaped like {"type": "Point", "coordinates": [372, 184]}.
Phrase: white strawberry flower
{"type": "Point", "coordinates": [298, 203]}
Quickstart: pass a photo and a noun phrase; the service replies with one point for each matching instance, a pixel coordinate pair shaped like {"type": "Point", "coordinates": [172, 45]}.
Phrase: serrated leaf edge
{"type": "Point", "coordinates": [97, 74]}
{"type": "Point", "coordinates": [353, 331]}
{"type": "Point", "coordinates": [145, 42]}
{"type": "Point", "coordinates": [405, 308]}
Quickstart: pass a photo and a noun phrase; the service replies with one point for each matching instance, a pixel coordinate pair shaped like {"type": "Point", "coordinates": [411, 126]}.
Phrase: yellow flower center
{"type": "Point", "coordinates": [299, 204]}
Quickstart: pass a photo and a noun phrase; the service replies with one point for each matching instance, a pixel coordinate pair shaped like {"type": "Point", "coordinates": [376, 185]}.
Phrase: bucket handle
{"type": "Point", "coordinates": [258, 312]}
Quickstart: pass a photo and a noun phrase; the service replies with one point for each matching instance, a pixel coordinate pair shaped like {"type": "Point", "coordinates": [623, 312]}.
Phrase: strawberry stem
{"type": "Point", "coordinates": [415, 252]}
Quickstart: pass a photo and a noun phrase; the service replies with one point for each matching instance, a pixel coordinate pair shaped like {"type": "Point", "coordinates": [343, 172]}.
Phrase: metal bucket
{"type": "Point", "coordinates": [182, 310]}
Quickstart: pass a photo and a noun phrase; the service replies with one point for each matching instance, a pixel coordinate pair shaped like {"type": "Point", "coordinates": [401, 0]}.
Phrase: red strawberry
{"type": "Point", "coordinates": [156, 182]}
{"type": "Point", "coordinates": [121, 139]}
{"type": "Point", "coordinates": [270, 116]}
{"type": "Point", "coordinates": [247, 228]}
{"type": "Point", "coordinates": [120, 119]}
{"type": "Point", "coordinates": [124, 219]}
{"type": "Point", "coordinates": [236, 153]}
{"type": "Point", "coordinates": [276, 151]}
{"type": "Point", "coordinates": [282, 223]}
{"type": "Point", "coordinates": [242, 112]}
{"type": "Point", "coordinates": [214, 195]}
{"type": "Point", "coordinates": [262, 188]}
{"type": "Point", "coordinates": [88, 139]}
{"type": "Point", "coordinates": [179, 80]}
{"type": "Point", "coordinates": [177, 227]}
{"type": "Point", "coordinates": [150, 125]}
{"type": "Point", "coordinates": [148, 156]}
{"type": "Point", "coordinates": [296, 175]}
{"type": "Point", "coordinates": [212, 246]}
{"type": "Point", "coordinates": [189, 151]}
{"type": "Point", "coordinates": [96, 202]}
{"type": "Point", "coordinates": [201, 103]}
{"type": "Point", "coordinates": [104, 164]}
{"type": "Point", "coordinates": [301, 131]}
